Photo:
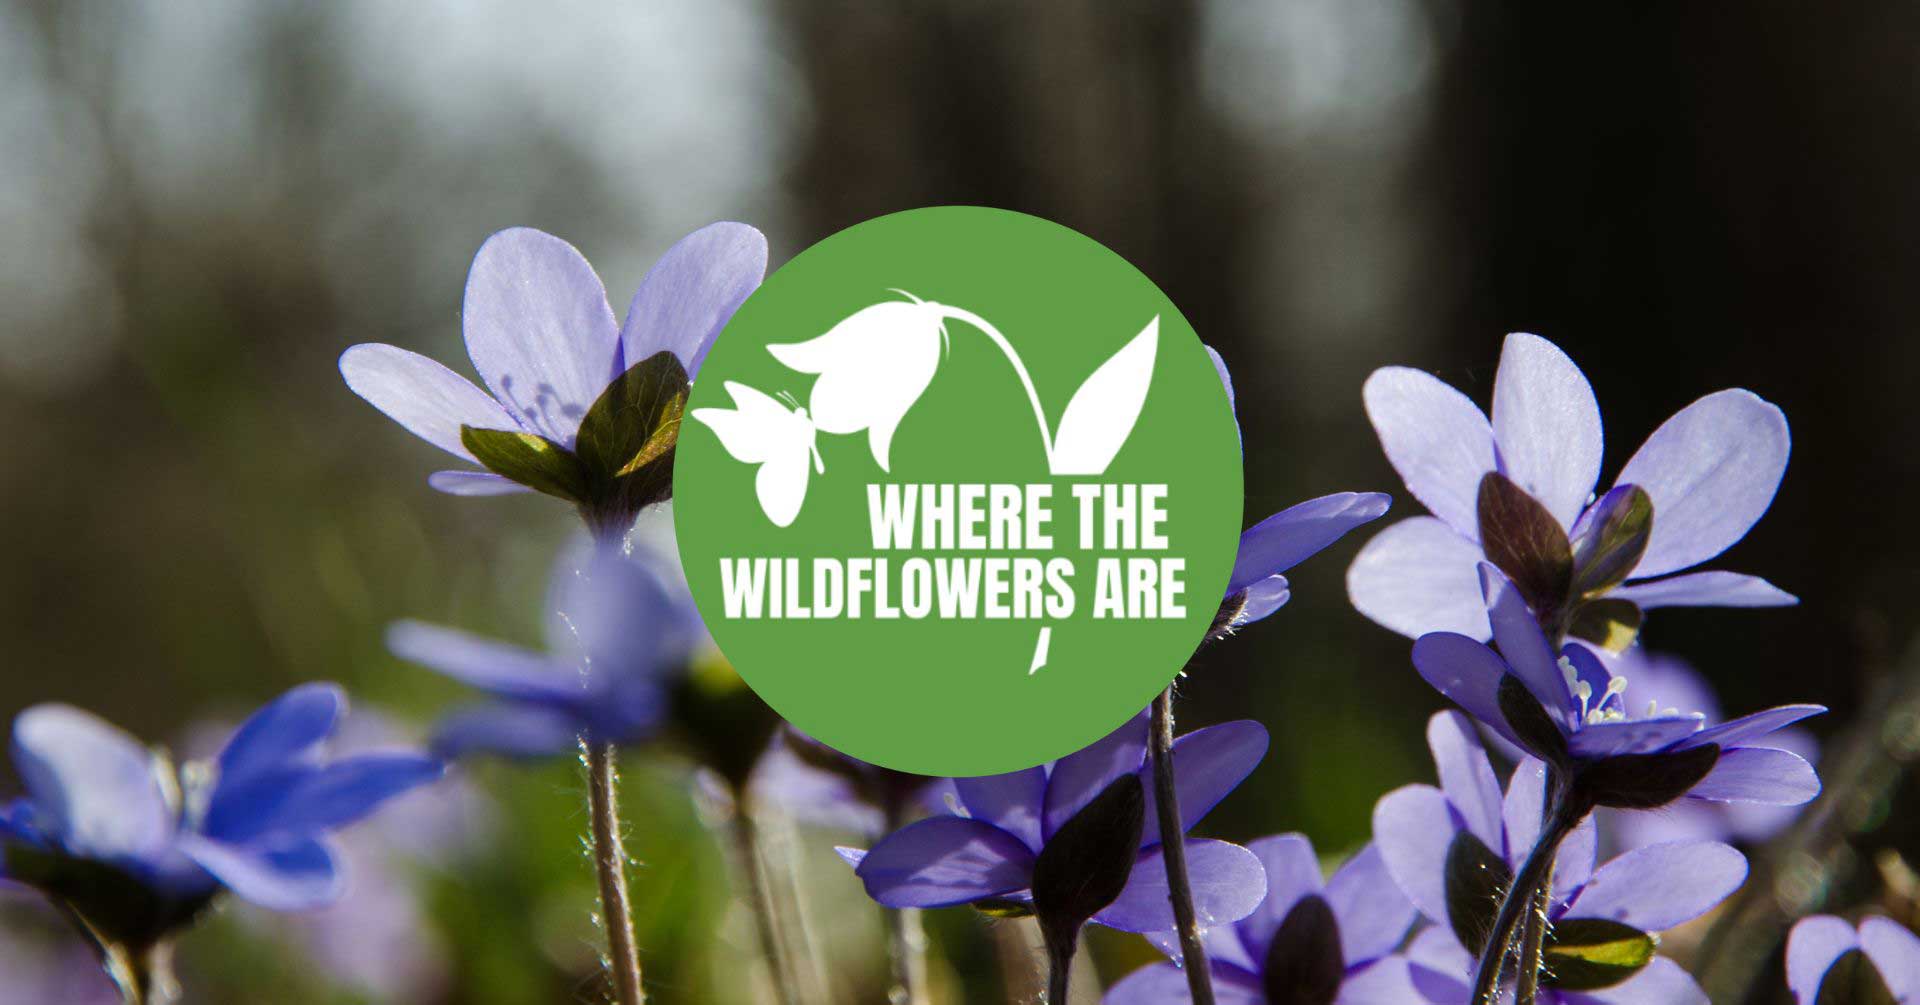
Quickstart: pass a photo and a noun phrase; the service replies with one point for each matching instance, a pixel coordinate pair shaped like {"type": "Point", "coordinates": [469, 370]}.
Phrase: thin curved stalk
{"type": "Point", "coordinates": [1059, 968]}
{"type": "Point", "coordinates": [1562, 818]}
{"type": "Point", "coordinates": [1533, 938]}
{"type": "Point", "coordinates": [610, 868]}
{"type": "Point", "coordinates": [906, 938]}
{"type": "Point", "coordinates": [759, 895]}
{"type": "Point", "coordinates": [1019, 368]}
{"type": "Point", "coordinates": [1173, 849]}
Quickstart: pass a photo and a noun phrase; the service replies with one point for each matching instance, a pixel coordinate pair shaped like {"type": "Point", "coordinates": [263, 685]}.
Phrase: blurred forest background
{"type": "Point", "coordinates": [202, 204]}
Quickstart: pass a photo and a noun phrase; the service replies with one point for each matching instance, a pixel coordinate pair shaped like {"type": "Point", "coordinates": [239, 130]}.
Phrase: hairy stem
{"type": "Point", "coordinates": [759, 896]}
{"type": "Point", "coordinates": [1533, 938]}
{"type": "Point", "coordinates": [1060, 949]}
{"type": "Point", "coordinates": [1173, 849]}
{"type": "Point", "coordinates": [610, 868]}
{"type": "Point", "coordinates": [1562, 817]}
{"type": "Point", "coordinates": [906, 938]}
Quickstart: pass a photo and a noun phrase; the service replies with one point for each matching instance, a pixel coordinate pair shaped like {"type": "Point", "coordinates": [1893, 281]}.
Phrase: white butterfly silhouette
{"type": "Point", "coordinates": [760, 429]}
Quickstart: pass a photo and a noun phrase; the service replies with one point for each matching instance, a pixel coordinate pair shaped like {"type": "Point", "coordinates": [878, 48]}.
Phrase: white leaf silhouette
{"type": "Point", "coordinates": [1102, 413]}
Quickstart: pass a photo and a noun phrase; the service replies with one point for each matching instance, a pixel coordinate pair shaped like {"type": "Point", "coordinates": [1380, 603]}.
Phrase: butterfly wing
{"type": "Point", "coordinates": [782, 485]}
{"type": "Point", "coordinates": [755, 429]}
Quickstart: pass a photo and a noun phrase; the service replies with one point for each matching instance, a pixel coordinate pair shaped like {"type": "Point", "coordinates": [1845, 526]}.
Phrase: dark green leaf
{"type": "Point", "coordinates": [1085, 865]}
{"type": "Point", "coordinates": [1645, 781]}
{"type": "Point", "coordinates": [1610, 623]}
{"type": "Point", "coordinates": [1854, 980]}
{"type": "Point", "coordinates": [1521, 537]}
{"type": "Point", "coordinates": [1476, 880]}
{"type": "Point", "coordinates": [121, 909]}
{"type": "Point", "coordinates": [1304, 964]}
{"type": "Point", "coordinates": [1530, 723]}
{"type": "Point", "coordinates": [538, 463]}
{"type": "Point", "coordinates": [1587, 954]}
{"type": "Point", "coordinates": [636, 420]}
{"type": "Point", "coordinates": [1614, 541]}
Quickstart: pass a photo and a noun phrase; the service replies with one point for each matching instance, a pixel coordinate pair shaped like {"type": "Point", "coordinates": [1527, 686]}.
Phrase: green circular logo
{"type": "Point", "coordinates": [958, 491]}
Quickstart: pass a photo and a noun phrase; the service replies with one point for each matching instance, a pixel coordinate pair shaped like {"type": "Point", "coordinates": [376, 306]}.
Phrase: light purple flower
{"type": "Point", "coordinates": [1455, 848]}
{"type": "Point", "coordinates": [139, 850]}
{"type": "Point", "coordinates": [1824, 952]}
{"type": "Point", "coordinates": [1269, 548]}
{"type": "Point", "coordinates": [1705, 477]}
{"type": "Point", "coordinates": [620, 627]}
{"type": "Point", "coordinates": [1307, 941]}
{"type": "Point", "coordinates": [985, 850]}
{"type": "Point", "coordinates": [1666, 681]}
{"type": "Point", "coordinates": [1568, 711]}
{"type": "Point", "coordinates": [542, 336]}
{"type": "Point", "coordinates": [816, 784]}
{"type": "Point", "coordinates": [42, 959]}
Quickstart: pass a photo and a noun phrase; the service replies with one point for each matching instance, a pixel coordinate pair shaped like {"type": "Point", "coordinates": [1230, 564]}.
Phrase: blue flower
{"type": "Point", "coordinates": [137, 849]}
{"type": "Point", "coordinates": [1269, 548]}
{"type": "Point", "coordinates": [1829, 960]}
{"type": "Point", "coordinates": [1308, 941]}
{"type": "Point", "coordinates": [619, 628]}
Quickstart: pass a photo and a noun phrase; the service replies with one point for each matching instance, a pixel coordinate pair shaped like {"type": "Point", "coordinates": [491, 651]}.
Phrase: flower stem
{"type": "Point", "coordinates": [759, 896]}
{"type": "Point", "coordinates": [906, 938]}
{"type": "Point", "coordinates": [1019, 368]}
{"type": "Point", "coordinates": [1060, 949]}
{"type": "Point", "coordinates": [1563, 815]}
{"type": "Point", "coordinates": [1173, 849]}
{"type": "Point", "coordinates": [610, 867]}
{"type": "Point", "coordinates": [1533, 938]}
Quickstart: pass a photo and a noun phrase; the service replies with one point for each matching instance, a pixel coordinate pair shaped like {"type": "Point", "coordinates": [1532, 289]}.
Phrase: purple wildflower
{"type": "Point", "coordinates": [542, 336]}
{"type": "Point", "coordinates": [137, 849]}
{"type": "Point", "coordinates": [1307, 942]}
{"type": "Point", "coordinates": [1569, 712]}
{"type": "Point", "coordinates": [1284, 540]}
{"type": "Point", "coordinates": [1829, 962]}
{"type": "Point", "coordinates": [985, 851]}
{"type": "Point", "coordinates": [619, 628]}
{"type": "Point", "coordinates": [1453, 851]}
{"type": "Point", "coordinates": [1666, 681]}
{"type": "Point", "coordinates": [816, 784]}
{"type": "Point", "coordinates": [1517, 490]}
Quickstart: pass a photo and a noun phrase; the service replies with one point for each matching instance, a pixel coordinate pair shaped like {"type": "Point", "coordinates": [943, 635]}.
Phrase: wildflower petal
{"type": "Point", "coordinates": [1220, 367]}
{"type": "Point", "coordinates": [1706, 589]}
{"type": "Point", "coordinates": [1207, 765]}
{"type": "Point", "coordinates": [539, 330]}
{"type": "Point", "coordinates": [424, 397]}
{"type": "Point", "coordinates": [1413, 827]}
{"type": "Point", "coordinates": [474, 483]}
{"type": "Point", "coordinates": [1293, 872]}
{"type": "Point", "coordinates": [494, 667]}
{"type": "Point", "coordinates": [296, 877]}
{"type": "Point", "coordinates": [1661, 982]}
{"type": "Point", "coordinates": [1523, 645]}
{"type": "Point", "coordinates": [287, 729]}
{"type": "Point", "coordinates": [1895, 952]}
{"type": "Point", "coordinates": [1227, 883]}
{"type": "Point", "coordinates": [509, 730]}
{"type": "Point", "coordinates": [1759, 775]}
{"type": "Point", "coordinates": [93, 786]}
{"type": "Point", "coordinates": [1468, 673]}
{"type": "Point", "coordinates": [1419, 576]}
{"type": "Point", "coordinates": [300, 801]}
{"type": "Point", "coordinates": [1166, 984]}
{"type": "Point", "coordinates": [1262, 599]}
{"type": "Point", "coordinates": [1525, 804]}
{"type": "Point", "coordinates": [1812, 948]}
{"type": "Point", "coordinates": [1547, 424]}
{"type": "Point", "coordinates": [1466, 775]}
{"type": "Point", "coordinates": [1750, 727]}
{"type": "Point", "coordinates": [1085, 773]}
{"type": "Point", "coordinates": [1437, 439]}
{"type": "Point", "coordinates": [1386, 981]}
{"type": "Point", "coordinates": [1660, 886]}
{"type": "Point", "coordinates": [1712, 470]}
{"type": "Point", "coordinates": [1011, 802]}
{"type": "Point", "coordinates": [1294, 534]}
{"type": "Point", "coordinates": [1373, 914]}
{"type": "Point", "coordinates": [1633, 736]}
{"type": "Point", "coordinates": [943, 861]}
{"type": "Point", "coordinates": [692, 292]}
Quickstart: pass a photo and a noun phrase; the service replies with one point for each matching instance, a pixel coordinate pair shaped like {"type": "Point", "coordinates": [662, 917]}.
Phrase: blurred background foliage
{"type": "Point", "coordinates": [202, 204]}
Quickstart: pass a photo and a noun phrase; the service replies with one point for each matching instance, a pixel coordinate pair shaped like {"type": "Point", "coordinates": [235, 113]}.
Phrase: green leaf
{"type": "Point", "coordinates": [1587, 954]}
{"type": "Point", "coordinates": [536, 462]}
{"type": "Point", "coordinates": [1521, 537]}
{"type": "Point", "coordinates": [1645, 781]}
{"type": "Point", "coordinates": [1304, 964]}
{"type": "Point", "coordinates": [1854, 980]}
{"type": "Point", "coordinates": [1476, 880]}
{"type": "Point", "coordinates": [1086, 863]}
{"type": "Point", "coordinates": [1610, 623]}
{"type": "Point", "coordinates": [1614, 541]}
{"type": "Point", "coordinates": [636, 420]}
{"type": "Point", "coordinates": [1530, 723]}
